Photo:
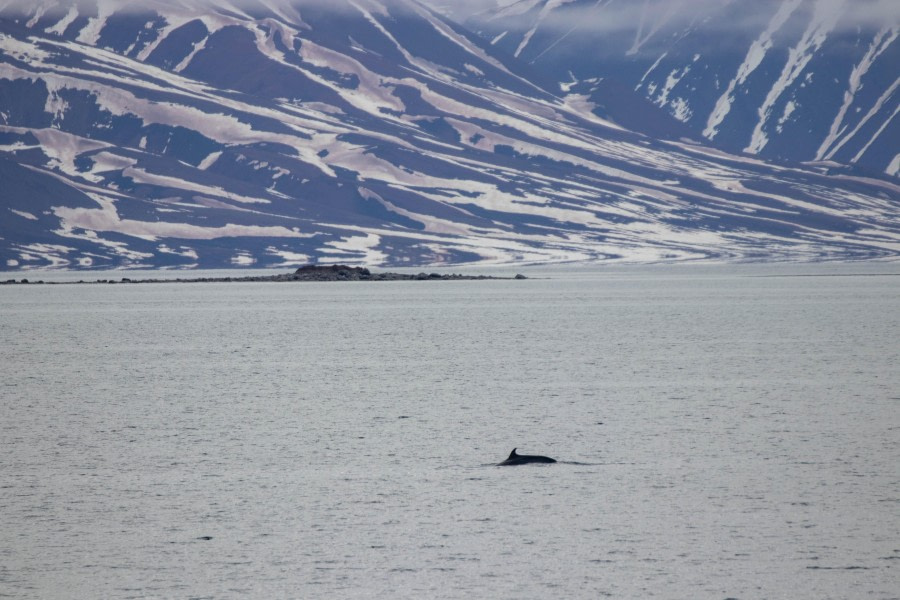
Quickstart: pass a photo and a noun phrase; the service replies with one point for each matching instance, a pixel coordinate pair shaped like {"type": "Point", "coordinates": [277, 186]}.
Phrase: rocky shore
{"type": "Point", "coordinates": [305, 273]}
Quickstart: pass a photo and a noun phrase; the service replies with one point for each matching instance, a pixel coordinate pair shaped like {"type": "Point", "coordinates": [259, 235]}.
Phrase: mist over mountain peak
{"type": "Point", "coordinates": [800, 80]}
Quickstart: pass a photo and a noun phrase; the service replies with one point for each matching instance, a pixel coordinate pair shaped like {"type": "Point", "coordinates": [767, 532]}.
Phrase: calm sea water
{"type": "Point", "coordinates": [720, 435]}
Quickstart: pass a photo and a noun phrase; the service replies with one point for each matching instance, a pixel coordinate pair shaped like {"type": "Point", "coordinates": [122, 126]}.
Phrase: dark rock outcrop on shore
{"type": "Point", "coordinates": [304, 273]}
{"type": "Point", "coordinates": [346, 273]}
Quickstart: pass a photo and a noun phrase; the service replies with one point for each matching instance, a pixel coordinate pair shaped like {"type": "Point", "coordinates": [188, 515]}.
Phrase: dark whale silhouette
{"type": "Point", "coordinates": [524, 459]}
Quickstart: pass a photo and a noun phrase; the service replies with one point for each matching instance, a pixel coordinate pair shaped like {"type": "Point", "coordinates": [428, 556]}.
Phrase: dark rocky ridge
{"type": "Point", "coordinates": [304, 273]}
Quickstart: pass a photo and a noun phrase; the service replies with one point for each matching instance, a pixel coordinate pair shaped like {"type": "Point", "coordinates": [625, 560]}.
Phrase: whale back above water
{"type": "Point", "coordinates": [524, 459]}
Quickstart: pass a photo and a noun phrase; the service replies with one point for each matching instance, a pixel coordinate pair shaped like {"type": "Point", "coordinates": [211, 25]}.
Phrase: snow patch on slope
{"type": "Point", "coordinates": [752, 60]}
{"type": "Point", "coordinates": [549, 7]}
{"type": "Point", "coordinates": [64, 23]}
{"type": "Point", "coordinates": [894, 168]}
{"type": "Point", "coordinates": [91, 32]}
{"type": "Point", "coordinates": [881, 129]}
{"type": "Point", "coordinates": [106, 218]}
{"type": "Point", "coordinates": [830, 145]}
{"type": "Point", "coordinates": [824, 19]}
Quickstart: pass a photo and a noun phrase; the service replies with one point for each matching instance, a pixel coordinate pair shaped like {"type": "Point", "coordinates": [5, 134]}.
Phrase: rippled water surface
{"type": "Point", "coordinates": [719, 435]}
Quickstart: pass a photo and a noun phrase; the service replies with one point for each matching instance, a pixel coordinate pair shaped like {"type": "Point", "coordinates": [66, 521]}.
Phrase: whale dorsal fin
{"type": "Point", "coordinates": [512, 454]}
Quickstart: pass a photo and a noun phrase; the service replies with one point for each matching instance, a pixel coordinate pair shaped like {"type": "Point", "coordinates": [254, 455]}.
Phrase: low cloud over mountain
{"type": "Point", "coordinates": [802, 80]}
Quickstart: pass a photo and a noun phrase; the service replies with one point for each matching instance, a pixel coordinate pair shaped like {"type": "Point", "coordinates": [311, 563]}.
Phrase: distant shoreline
{"type": "Point", "coordinates": [305, 273]}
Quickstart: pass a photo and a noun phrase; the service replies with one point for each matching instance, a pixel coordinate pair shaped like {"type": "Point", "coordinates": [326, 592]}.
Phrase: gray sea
{"type": "Point", "coordinates": [721, 432]}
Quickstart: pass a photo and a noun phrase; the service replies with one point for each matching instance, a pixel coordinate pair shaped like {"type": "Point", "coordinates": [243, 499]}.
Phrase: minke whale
{"type": "Point", "coordinates": [524, 459]}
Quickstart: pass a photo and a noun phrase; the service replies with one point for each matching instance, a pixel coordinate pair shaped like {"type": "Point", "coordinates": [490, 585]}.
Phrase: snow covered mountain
{"type": "Point", "coordinates": [181, 133]}
{"type": "Point", "coordinates": [802, 80]}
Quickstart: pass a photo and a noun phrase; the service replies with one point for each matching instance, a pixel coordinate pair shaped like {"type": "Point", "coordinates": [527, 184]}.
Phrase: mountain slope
{"type": "Point", "coordinates": [801, 80]}
{"type": "Point", "coordinates": [266, 133]}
